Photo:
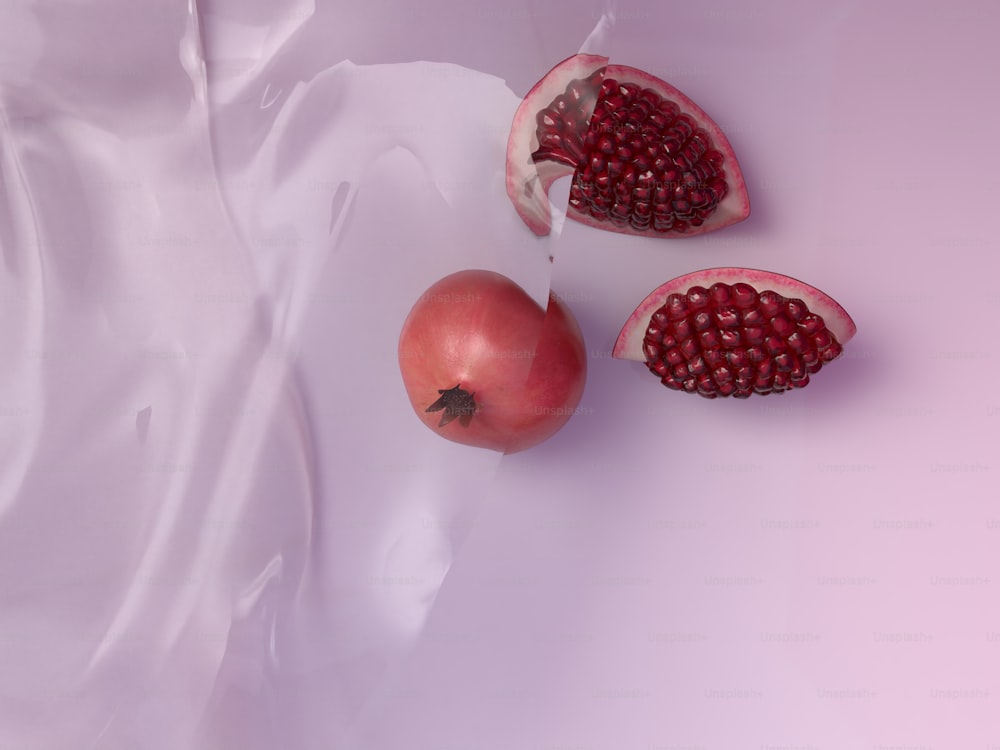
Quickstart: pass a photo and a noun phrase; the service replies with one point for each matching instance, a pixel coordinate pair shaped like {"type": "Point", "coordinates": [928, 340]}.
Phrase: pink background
{"type": "Point", "coordinates": [220, 524]}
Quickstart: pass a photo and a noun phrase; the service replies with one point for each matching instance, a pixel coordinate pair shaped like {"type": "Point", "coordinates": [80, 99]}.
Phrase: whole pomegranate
{"type": "Point", "coordinates": [485, 365]}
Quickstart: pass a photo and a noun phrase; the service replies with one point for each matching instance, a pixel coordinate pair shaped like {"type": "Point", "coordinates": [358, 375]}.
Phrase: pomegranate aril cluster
{"type": "Point", "coordinates": [563, 124]}
{"type": "Point", "coordinates": [642, 162]}
{"type": "Point", "coordinates": [730, 340]}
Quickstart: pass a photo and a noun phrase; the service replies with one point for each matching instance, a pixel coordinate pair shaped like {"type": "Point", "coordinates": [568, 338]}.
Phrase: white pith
{"type": "Point", "coordinates": [630, 340]}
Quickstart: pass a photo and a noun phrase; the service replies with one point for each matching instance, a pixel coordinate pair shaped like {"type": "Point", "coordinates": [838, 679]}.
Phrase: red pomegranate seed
{"type": "Point", "coordinates": [730, 340]}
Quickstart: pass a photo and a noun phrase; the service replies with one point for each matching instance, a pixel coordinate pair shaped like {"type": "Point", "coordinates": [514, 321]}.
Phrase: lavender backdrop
{"type": "Point", "coordinates": [220, 524]}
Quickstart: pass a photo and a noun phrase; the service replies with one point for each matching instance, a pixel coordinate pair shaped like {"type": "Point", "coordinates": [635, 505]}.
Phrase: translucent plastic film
{"type": "Point", "coordinates": [220, 524]}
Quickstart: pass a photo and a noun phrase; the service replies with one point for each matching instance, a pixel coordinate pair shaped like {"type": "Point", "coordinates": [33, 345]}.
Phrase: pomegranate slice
{"type": "Point", "coordinates": [734, 332]}
{"type": "Point", "coordinates": [645, 159]}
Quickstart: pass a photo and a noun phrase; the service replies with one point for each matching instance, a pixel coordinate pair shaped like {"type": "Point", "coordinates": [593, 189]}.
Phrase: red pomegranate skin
{"type": "Point", "coordinates": [478, 331]}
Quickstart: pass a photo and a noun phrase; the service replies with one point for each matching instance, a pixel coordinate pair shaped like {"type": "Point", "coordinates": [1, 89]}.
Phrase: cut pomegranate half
{"type": "Point", "coordinates": [735, 332]}
{"type": "Point", "coordinates": [645, 159]}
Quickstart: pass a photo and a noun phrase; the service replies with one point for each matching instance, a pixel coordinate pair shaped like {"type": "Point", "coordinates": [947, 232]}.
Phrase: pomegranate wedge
{"type": "Point", "coordinates": [735, 332]}
{"type": "Point", "coordinates": [645, 159]}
